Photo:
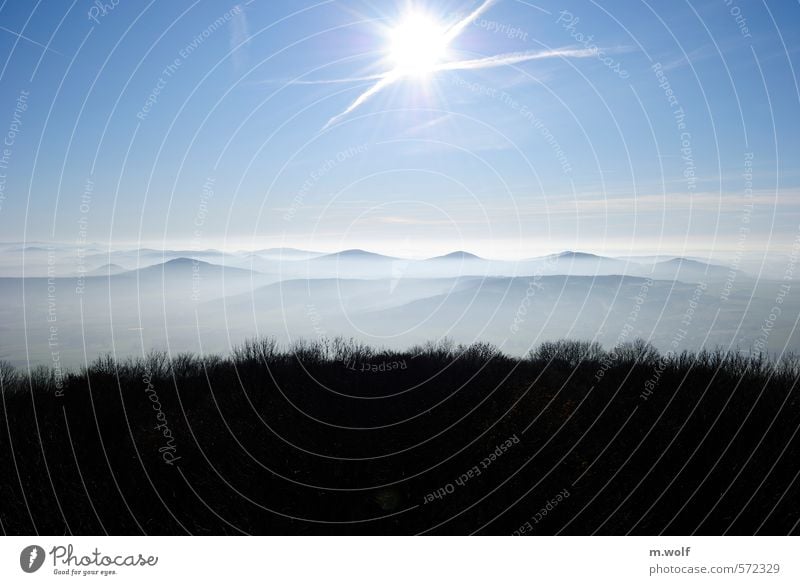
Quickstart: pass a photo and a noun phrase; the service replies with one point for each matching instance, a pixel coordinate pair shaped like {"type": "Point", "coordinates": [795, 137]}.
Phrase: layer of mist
{"type": "Point", "coordinates": [67, 307]}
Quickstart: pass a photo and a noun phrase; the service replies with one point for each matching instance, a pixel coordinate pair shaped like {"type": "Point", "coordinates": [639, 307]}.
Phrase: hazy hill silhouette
{"type": "Point", "coordinates": [457, 255]}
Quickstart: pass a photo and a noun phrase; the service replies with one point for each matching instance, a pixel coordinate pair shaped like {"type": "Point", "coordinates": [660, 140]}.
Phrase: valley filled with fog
{"type": "Point", "coordinates": [65, 306]}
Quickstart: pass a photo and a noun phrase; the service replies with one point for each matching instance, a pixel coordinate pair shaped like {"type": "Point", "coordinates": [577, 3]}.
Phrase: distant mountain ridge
{"type": "Point", "coordinates": [182, 266]}
{"type": "Point", "coordinates": [355, 254]}
{"type": "Point", "coordinates": [360, 263]}
{"type": "Point", "coordinates": [457, 255]}
{"type": "Point", "coordinates": [285, 263]}
{"type": "Point", "coordinates": [107, 270]}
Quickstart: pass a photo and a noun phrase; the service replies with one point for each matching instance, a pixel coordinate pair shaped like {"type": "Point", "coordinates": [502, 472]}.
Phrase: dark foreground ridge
{"type": "Point", "coordinates": [333, 437]}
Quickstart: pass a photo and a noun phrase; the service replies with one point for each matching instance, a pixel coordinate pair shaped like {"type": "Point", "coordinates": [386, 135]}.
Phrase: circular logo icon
{"type": "Point", "coordinates": [31, 558]}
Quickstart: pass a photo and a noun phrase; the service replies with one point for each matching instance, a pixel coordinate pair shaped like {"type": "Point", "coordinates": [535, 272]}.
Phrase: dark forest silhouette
{"type": "Point", "coordinates": [333, 436]}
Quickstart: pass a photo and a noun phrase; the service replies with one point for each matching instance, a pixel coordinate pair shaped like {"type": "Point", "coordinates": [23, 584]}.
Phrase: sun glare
{"type": "Point", "coordinates": [418, 44]}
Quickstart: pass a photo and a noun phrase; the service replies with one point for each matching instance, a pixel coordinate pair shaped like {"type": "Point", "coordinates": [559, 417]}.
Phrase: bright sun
{"type": "Point", "coordinates": [418, 44]}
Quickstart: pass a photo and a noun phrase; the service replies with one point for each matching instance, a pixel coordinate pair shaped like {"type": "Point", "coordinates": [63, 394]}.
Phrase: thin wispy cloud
{"type": "Point", "coordinates": [427, 125]}
{"type": "Point", "coordinates": [240, 37]}
{"type": "Point", "coordinates": [38, 44]}
{"type": "Point", "coordinates": [450, 34]}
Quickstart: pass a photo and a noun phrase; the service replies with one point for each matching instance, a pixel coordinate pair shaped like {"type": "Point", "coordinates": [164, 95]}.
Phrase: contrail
{"type": "Point", "coordinates": [386, 79]}
{"type": "Point", "coordinates": [512, 58]}
{"type": "Point", "coordinates": [392, 76]}
{"type": "Point", "coordinates": [486, 62]}
{"type": "Point", "coordinates": [459, 27]}
{"type": "Point", "coordinates": [482, 63]}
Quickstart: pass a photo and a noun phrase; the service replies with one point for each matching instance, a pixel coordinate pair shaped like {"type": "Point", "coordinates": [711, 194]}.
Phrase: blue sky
{"type": "Point", "coordinates": [563, 152]}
